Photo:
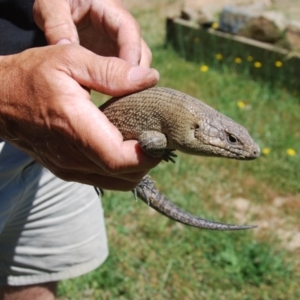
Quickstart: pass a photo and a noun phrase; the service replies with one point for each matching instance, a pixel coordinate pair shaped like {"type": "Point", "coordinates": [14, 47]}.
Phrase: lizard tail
{"type": "Point", "coordinates": [148, 193]}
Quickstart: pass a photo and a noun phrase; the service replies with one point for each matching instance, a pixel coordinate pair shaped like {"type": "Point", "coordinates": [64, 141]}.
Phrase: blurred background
{"type": "Point", "coordinates": [242, 58]}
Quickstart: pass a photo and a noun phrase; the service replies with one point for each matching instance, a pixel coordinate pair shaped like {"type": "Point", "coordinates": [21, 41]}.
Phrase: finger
{"type": "Point", "coordinates": [146, 55]}
{"type": "Point", "coordinates": [67, 162]}
{"type": "Point", "coordinates": [129, 41]}
{"type": "Point", "coordinates": [106, 182]}
{"type": "Point", "coordinates": [108, 75]}
{"type": "Point", "coordinates": [102, 142]}
{"type": "Point", "coordinates": [129, 158]}
{"type": "Point", "coordinates": [107, 149]}
{"type": "Point", "coordinates": [100, 180]}
{"type": "Point", "coordinates": [55, 19]}
{"type": "Point", "coordinates": [126, 31]}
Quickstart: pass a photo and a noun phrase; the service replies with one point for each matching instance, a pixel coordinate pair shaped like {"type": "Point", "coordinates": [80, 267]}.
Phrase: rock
{"type": "Point", "coordinates": [204, 16]}
{"type": "Point", "coordinates": [293, 34]}
{"type": "Point", "coordinates": [215, 6]}
{"type": "Point", "coordinates": [277, 18]}
{"type": "Point", "coordinates": [199, 16]}
{"type": "Point", "coordinates": [267, 27]}
{"type": "Point", "coordinates": [188, 13]}
{"type": "Point", "coordinates": [233, 18]}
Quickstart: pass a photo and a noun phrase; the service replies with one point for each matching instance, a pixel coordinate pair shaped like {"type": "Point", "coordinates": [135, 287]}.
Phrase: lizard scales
{"type": "Point", "coordinates": [164, 120]}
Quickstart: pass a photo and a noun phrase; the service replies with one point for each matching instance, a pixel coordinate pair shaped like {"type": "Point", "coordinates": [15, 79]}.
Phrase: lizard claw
{"type": "Point", "coordinates": [135, 194]}
{"type": "Point", "coordinates": [168, 155]}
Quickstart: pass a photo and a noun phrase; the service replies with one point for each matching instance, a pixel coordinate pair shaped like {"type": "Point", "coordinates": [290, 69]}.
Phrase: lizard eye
{"type": "Point", "coordinates": [232, 139]}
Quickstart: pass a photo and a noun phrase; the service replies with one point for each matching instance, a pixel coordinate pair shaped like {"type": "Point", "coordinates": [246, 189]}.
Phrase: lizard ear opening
{"type": "Point", "coordinates": [196, 128]}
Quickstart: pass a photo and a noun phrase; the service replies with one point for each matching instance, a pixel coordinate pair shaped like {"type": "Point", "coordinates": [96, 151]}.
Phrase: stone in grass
{"type": "Point", "coordinates": [233, 18]}
{"type": "Point", "coordinates": [198, 16]}
{"type": "Point", "coordinates": [267, 27]}
{"type": "Point", "coordinates": [293, 34]}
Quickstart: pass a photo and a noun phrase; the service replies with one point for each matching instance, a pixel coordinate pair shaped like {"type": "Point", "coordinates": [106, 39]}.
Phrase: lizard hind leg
{"type": "Point", "coordinates": [154, 143]}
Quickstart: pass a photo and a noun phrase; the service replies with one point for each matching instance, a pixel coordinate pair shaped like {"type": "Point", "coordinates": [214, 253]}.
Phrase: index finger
{"type": "Point", "coordinates": [127, 32]}
{"type": "Point", "coordinates": [109, 151]}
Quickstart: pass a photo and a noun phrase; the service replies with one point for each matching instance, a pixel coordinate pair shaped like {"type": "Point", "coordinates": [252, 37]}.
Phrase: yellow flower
{"type": "Point", "coordinates": [291, 152]}
{"type": "Point", "coordinates": [257, 64]}
{"type": "Point", "coordinates": [250, 58]}
{"type": "Point", "coordinates": [266, 151]}
{"type": "Point", "coordinates": [238, 60]}
{"type": "Point", "coordinates": [196, 40]}
{"type": "Point", "coordinates": [215, 25]}
{"type": "Point", "coordinates": [278, 64]}
{"type": "Point", "coordinates": [241, 104]}
{"type": "Point", "coordinates": [219, 56]}
{"type": "Point", "coordinates": [204, 68]}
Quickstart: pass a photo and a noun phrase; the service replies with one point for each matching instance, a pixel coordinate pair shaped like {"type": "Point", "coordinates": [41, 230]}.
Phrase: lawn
{"type": "Point", "coordinates": [152, 257]}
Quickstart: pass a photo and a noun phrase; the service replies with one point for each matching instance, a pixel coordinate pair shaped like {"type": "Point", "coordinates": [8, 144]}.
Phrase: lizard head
{"type": "Point", "coordinates": [220, 136]}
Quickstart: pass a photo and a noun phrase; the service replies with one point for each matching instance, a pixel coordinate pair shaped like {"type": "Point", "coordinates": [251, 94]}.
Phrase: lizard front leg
{"type": "Point", "coordinates": [155, 143]}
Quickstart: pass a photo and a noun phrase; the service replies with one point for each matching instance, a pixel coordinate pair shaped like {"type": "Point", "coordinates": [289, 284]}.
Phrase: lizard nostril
{"type": "Point", "coordinates": [256, 151]}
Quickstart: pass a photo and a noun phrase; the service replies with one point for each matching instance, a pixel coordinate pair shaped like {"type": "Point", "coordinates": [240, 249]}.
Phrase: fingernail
{"type": "Point", "coordinates": [63, 42]}
{"type": "Point", "coordinates": [139, 73]}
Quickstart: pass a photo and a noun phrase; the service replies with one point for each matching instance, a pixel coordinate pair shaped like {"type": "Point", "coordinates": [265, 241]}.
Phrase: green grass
{"type": "Point", "coordinates": [271, 115]}
{"type": "Point", "coordinates": [152, 257]}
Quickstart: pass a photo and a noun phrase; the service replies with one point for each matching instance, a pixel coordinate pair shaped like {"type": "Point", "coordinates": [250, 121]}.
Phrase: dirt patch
{"type": "Point", "coordinates": [271, 217]}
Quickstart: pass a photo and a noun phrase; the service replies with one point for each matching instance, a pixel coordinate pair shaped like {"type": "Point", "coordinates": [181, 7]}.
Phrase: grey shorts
{"type": "Point", "coordinates": [49, 229]}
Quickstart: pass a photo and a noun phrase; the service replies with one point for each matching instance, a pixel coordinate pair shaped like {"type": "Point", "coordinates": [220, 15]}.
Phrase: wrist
{"type": "Point", "coordinates": [6, 87]}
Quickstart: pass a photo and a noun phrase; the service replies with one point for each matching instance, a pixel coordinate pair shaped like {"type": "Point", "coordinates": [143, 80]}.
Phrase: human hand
{"type": "Point", "coordinates": [102, 26]}
{"type": "Point", "coordinates": [45, 109]}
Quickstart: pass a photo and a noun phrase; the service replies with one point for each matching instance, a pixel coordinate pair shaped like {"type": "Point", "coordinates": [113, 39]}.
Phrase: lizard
{"type": "Point", "coordinates": [164, 120]}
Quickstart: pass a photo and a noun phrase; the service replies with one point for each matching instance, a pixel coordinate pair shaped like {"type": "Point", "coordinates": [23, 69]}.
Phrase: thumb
{"type": "Point", "coordinates": [55, 19]}
{"type": "Point", "coordinates": [109, 75]}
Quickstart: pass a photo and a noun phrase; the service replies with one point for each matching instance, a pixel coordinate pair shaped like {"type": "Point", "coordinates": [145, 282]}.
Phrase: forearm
{"type": "Point", "coordinates": [5, 89]}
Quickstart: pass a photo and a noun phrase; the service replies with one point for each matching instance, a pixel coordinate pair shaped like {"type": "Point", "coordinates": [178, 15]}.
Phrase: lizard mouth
{"type": "Point", "coordinates": [250, 154]}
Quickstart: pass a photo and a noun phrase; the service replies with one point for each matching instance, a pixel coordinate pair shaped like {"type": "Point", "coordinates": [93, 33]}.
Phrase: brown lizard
{"type": "Point", "coordinates": [164, 120]}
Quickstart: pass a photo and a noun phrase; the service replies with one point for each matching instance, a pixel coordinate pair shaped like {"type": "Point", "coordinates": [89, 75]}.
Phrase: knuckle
{"type": "Point", "coordinates": [111, 167]}
{"type": "Point", "coordinates": [69, 52]}
{"type": "Point", "coordinates": [114, 68]}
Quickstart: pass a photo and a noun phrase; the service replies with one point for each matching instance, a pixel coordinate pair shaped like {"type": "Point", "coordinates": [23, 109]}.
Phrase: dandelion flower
{"type": "Point", "coordinates": [215, 25]}
{"type": "Point", "coordinates": [257, 65]}
{"type": "Point", "coordinates": [241, 104]}
{"type": "Point", "coordinates": [238, 60]}
{"type": "Point", "coordinates": [250, 58]}
{"type": "Point", "coordinates": [278, 64]}
{"type": "Point", "coordinates": [204, 68]}
{"type": "Point", "coordinates": [266, 151]}
{"type": "Point", "coordinates": [291, 152]}
{"type": "Point", "coordinates": [219, 56]}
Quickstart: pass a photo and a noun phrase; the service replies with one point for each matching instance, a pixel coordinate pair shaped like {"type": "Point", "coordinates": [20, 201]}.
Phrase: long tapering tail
{"type": "Point", "coordinates": [148, 193]}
